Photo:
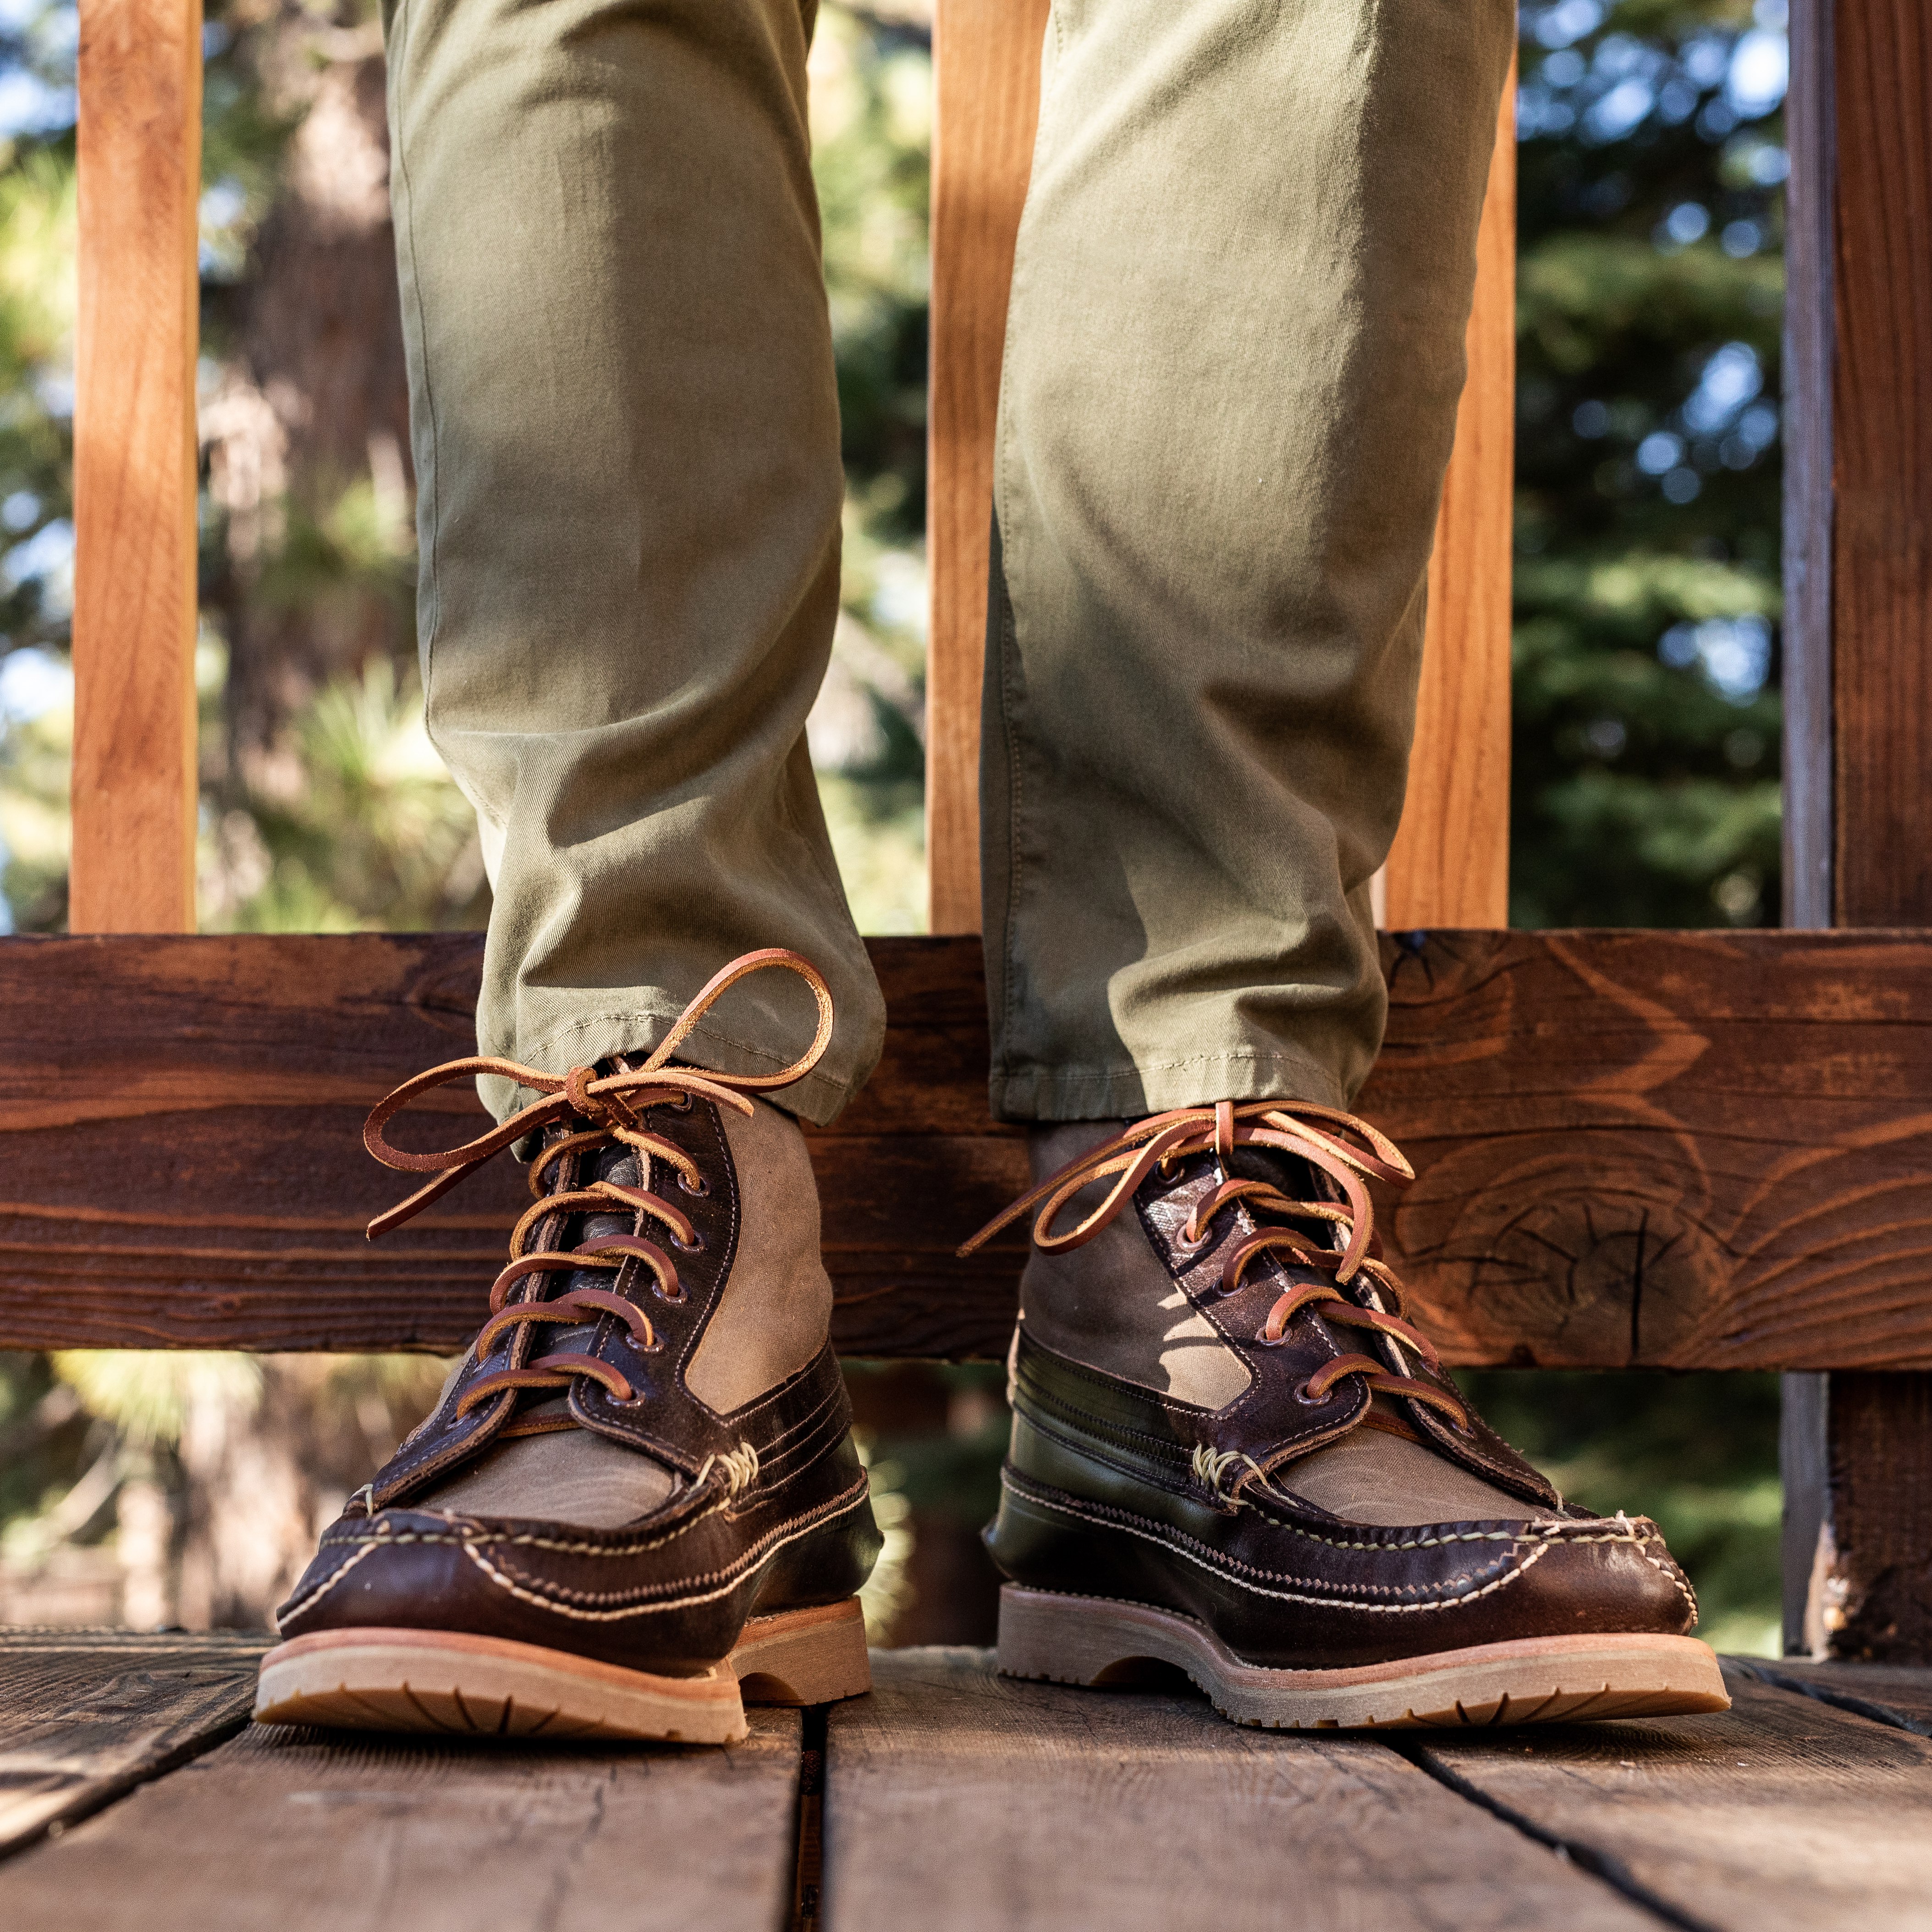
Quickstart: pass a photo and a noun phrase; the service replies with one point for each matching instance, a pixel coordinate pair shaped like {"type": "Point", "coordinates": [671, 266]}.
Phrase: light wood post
{"type": "Point", "coordinates": [1450, 866]}
{"type": "Point", "coordinates": [986, 57]}
{"type": "Point", "coordinates": [134, 780]}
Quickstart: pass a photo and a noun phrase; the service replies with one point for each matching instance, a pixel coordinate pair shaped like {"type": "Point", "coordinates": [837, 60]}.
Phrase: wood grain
{"type": "Point", "coordinates": [986, 58]}
{"type": "Point", "coordinates": [134, 777]}
{"type": "Point", "coordinates": [1785, 1813]}
{"type": "Point", "coordinates": [1684, 1149]}
{"type": "Point", "coordinates": [1888, 1693]}
{"type": "Point", "coordinates": [1874, 1591]}
{"type": "Point", "coordinates": [302, 1830]}
{"type": "Point", "coordinates": [1859, 695]}
{"type": "Point", "coordinates": [957, 1801]}
{"type": "Point", "coordinates": [1450, 863]}
{"type": "Point", "coordinates": [1881, 462]}
{"type": "Point", "coordinates": [88, 1715]}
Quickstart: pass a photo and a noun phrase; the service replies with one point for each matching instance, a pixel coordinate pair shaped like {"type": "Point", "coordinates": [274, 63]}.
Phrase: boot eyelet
{"type": "Point", "coordinates": [1267, 1341]}
{"type": "Point", "coordinates": [681, 1105]}
{"type": "Point", "coordinates": [1205, 1239]}
{"type": "Point", "coordinates": [664, 1295]}
{"type": "Point", "coordinates": [695, 1246]}
{"type": "Point", "coordinates": [697, 1189]}
{"type": "Point", "coordinates": [1306, 1393]}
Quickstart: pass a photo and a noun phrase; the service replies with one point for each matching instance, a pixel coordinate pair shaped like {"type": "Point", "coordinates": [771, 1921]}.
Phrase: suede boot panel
{"type": "Point", "coordinates": [773, 1313]}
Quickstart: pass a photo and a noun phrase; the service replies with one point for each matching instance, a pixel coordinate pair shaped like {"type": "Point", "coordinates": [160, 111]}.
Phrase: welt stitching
{"type": "Point", "coordinates": [1291, 1597]}
{"type": "Point", "coordinates": [1545, 1541]}
{"type": "Point", "coordinates": [799, 1526]}
{"type": "Point", "coordinates": [327, 1583]}
{"type": "Point", "coordinates": [1212, 1558]}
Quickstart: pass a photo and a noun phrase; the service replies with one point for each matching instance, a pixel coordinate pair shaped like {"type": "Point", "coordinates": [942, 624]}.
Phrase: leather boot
{"type": "Point", "coordinates": [1232, 1453]}
{"type": "Point", "coordinates": [637, 1503]}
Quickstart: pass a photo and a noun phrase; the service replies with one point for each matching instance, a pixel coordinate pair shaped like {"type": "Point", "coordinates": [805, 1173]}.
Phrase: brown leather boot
{"type": "Point", "coordinates": [1232, 1453]}
{"type": "Point", "coordinates": [638, 1502]}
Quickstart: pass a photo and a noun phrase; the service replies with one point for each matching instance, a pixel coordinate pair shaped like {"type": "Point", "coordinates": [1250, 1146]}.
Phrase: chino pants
{"type": "Point", "coordinates": [1235, 349]}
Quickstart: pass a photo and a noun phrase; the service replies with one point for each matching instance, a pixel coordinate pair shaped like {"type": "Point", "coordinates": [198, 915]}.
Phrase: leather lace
{"type": "Point", "coordinates": [1349, 1151]}
{"type": "Point", "coordinates": [613, 1104]}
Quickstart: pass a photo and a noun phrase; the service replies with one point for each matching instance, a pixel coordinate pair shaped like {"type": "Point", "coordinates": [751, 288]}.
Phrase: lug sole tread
{"type": "Point", "coordinates": [453, 1683]}
{"type": "Point", "coordinates": [1092, 1643]}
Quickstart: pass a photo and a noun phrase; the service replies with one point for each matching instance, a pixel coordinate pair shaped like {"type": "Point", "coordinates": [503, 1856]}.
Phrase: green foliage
{"type": "Point", "coordinates": [1650, 293]}
{"type": "Point", "coordinates": [357, 827]}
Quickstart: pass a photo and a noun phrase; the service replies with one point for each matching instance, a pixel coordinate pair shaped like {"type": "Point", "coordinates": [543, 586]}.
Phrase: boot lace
{"type": "Point", "coordinates": [1343, 1244]}
{"type": "Point", "coordinates": [612, 1105]}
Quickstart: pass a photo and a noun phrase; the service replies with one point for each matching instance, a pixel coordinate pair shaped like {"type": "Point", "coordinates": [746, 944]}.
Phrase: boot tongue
{"type": "Point", "coordinates": [1298, 1179]}
{"type": "Point", "coordinates": [613, 1162]}
{"type": "Point", "coordinates": [561, 1472]}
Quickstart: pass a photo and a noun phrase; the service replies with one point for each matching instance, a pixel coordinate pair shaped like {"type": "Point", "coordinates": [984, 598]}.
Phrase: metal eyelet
{"type": "Point", "coordinates": [1306, 1393]}
{"type": "Point", "coordinates": [1262, 1337]}
{"type": "Point", "coordinates": [695, 1246]}
{"type": "Point", "coordinates": [681, 1295]}
{"type": "Point", "coordinates": [681, 1105]}
{"type": "Point", "coordinates": [699, 1191]}
{"type": "Point", "coordinates": [1205, 1239]}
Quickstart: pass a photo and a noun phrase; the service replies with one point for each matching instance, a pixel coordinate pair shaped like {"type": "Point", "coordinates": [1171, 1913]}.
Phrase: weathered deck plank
{"type": "Point", "coordinates": [956, 1801]}
{"type": "Point", "coordinates": [1892, 1694]}
{"type": "Point", "coordinates": [85, 1716]}
{"type": "Point", "coordinates": [1786, 1812]}
{"type": "Point", "coordinates": [310, 1831]}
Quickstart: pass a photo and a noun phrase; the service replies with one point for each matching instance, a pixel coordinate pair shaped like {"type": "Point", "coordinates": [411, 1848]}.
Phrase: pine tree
{"type": "Point", "coordinates": [1650, 295]}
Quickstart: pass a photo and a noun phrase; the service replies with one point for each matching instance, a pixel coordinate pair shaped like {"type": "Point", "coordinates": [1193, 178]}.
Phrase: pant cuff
{"type": "Point", "coordinates": [817, 1100]}
{"type": "Point", "coordinates": [1128, 1091]}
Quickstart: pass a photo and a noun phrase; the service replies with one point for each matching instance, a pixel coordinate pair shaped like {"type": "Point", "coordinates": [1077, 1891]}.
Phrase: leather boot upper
{"type": "Point", "coordinates": [650, 1439]}
{"type": "Point", "coordinates": [1258, 1437]}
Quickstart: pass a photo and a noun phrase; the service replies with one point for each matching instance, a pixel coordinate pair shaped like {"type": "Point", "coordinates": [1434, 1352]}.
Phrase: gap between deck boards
{"type": "Point", "coordinates": [977, 1801]}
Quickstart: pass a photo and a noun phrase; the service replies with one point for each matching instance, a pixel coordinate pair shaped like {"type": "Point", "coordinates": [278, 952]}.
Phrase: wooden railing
{"type": "Point", "coordinates": [1685, 1150]}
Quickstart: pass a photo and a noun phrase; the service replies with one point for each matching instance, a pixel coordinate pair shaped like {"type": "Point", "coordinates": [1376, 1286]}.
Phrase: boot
{"type": "Point", "coordinates": [1232, 1453]}
{"type": "Point", "coordinates": [638, 1502]}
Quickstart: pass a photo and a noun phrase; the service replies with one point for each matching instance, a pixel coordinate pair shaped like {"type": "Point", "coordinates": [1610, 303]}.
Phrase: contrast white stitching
{"type": "Point", "coordinates": [799, 1526]}
{"type": "Point", "coordinates": [328, 1582]}
{"type": "Point", "coordinates": [1535, 1556]}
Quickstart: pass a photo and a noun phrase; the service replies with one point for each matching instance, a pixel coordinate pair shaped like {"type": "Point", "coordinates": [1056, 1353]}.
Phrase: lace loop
{"type": "Point", "coordinates": [1349, 1151]}
{"type": "Point", "coordinates": [613, 1104]}
{"type": "Point", "coordinates": [601, 1099]}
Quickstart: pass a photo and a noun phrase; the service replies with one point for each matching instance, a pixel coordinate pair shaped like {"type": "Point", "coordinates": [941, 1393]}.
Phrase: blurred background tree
{"type": "Point", "coordinates": [1646, 725]}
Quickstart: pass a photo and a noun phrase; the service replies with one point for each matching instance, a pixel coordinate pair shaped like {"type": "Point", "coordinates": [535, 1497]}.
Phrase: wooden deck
{"type": "Point", "coordinates": [133, 1793]}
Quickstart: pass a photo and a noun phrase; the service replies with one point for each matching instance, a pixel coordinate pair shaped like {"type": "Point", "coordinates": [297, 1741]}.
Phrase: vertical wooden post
{"type": "Point", "coordinates": [1858, 686]}
{"type": "Point", "coordinates": [986, 56]}
{"type": "Point", "coordinates": [134, 789]}
{"type": "Point", "coordinates": [1811, 136]}
{"type": "Point", "coordinates": [1450, 864]}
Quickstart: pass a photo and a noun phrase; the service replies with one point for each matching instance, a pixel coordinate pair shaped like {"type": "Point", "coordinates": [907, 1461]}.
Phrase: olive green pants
{"type": "Point", "coordinates": [1234, 353]}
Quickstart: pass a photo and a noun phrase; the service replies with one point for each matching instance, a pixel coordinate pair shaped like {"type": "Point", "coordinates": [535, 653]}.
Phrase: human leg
{"type": "Point", "coordinates": [638, 1502]}
{"type": "Point", "coordinates": [626, 436]}
{"type": "Point", "coordinates": [1235, 351]}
